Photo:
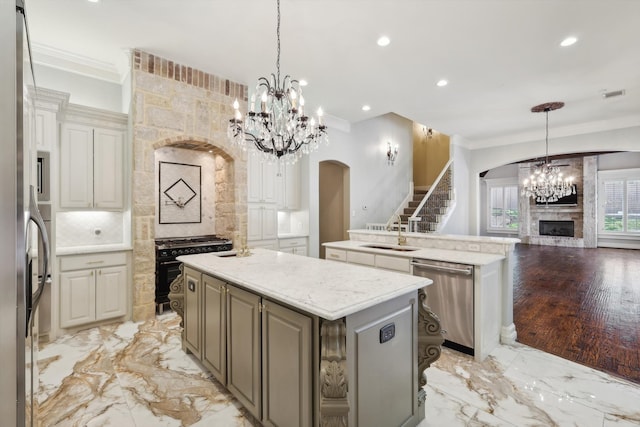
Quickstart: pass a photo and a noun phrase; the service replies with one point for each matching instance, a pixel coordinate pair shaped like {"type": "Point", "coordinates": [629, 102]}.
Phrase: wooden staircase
{"type": "Point", "coordinates": [418, 195]}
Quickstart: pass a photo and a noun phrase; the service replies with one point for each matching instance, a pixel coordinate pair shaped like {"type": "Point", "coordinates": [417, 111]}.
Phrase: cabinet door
{"type": "Point", "coordinates": [111, 292]}
{"type": "Point", "coordinates": [76, 166]}
{"type": "Point", "coordinates": [286, 369]}
{"type": "Point", "coordinates": [45, 130]}
{"type": "Point", "coordinates": [108, 170]}
{"type": "Point", "coordinates": [243, 349]}
{"type": "Point", "coordinates": [254, 179]}
{"type": "Point", "coordinates": [269, 222]}
{"type": "Point", "coordinates": [77, 298]}
{"type": "Point", "coordinates": [292, 187]}
{"type": "Point", "coordinates": [300, 250]}
{"type": "Point", "coordinates": [254, 222]}
{"type": "Point", "coordinates": [192, 280]}
{"type": "Point", "coordinates": [214, 322]}
{"type": "Point", "coordinates": [261, 186]}
{"type": "Point", "coordinates": [269, 171]}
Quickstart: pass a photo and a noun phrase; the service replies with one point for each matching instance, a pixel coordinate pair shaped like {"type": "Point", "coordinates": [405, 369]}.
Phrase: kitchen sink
{"type": "Point", "coordinates": [391, 248]}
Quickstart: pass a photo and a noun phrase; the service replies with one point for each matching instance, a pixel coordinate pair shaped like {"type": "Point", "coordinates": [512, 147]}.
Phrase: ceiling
{"type": "Point", "coordinates": [501, 57]}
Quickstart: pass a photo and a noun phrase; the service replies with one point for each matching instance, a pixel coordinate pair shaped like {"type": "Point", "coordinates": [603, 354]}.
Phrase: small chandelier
{"type": "Point", "coordinates": [546, 184]}
{"type": "Point", "coordinates": [276, 123]}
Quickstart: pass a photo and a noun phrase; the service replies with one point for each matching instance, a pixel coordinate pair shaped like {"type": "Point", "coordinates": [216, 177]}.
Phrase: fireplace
{"type": "Point", "coordinates": [556, 228]}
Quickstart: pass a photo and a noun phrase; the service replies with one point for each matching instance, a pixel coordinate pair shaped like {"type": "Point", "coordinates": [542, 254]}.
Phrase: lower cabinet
{"type": "Point", "coordinates": [258, 349]}
{"type": "Point", "coordinates": [89, 293]}
{"type": "Point", "coordinates": [296, 245]}
{"type": "Point", "coordinates": [387, 262]}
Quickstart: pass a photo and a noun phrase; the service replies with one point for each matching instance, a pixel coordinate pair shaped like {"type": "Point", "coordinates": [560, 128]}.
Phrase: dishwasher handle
{"type": "Point", "coordinates": [464, 271]}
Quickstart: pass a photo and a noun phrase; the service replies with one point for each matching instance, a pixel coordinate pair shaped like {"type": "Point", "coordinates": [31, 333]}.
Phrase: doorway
{"type": "Point", "coordinates": [334, 196]}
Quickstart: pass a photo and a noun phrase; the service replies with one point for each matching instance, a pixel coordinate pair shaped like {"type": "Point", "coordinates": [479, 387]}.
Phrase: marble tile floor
{"type": "Point", "coordinates": [136, 374]}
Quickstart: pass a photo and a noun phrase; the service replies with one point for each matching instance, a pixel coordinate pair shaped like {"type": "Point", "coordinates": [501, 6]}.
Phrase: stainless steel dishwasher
{"type": "Point", "coordinates": [450, 297]}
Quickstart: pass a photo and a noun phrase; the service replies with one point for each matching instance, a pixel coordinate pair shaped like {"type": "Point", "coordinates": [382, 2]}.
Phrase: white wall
{"type": "Point", "coordinates": [374, 184]}
{"type": "Point", "coordinates": [83, 90]}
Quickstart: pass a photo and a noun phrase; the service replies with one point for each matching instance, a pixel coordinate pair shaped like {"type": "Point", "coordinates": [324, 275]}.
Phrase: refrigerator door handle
{"type": "Point", "coordinates": [34, 215]}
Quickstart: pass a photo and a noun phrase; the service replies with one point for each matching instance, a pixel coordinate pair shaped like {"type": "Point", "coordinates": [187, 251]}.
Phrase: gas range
{"type": "Point", "coordinates": [169, 248]}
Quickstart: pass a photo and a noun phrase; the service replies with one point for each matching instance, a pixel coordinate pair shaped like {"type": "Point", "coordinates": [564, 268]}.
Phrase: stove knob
{"type": "Point", "coordinates": [192, 251]}
{"type": "Point", "coordinates": [174, 252]}
{"type": "Point", "coordinates": [198, 250]}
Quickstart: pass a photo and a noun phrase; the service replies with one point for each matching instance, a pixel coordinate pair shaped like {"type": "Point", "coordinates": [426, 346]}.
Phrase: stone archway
{"type": "Point", "coordinates": [230, 213]}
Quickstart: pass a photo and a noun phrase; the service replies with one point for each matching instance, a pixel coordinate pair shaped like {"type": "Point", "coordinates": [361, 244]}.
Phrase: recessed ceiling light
{"type": "Point", "coordinates": [366, 108]}
{"type": "Point", "coordinates": [568, 41]}
{"type": "Point", "coordinates": [93, 1]}
{"type": "Point", "coordinates": [302, 82]}
{"type": "Point", "coordinates": [384, 41]}
{"type": "Point", "coordinates": [442, 82]}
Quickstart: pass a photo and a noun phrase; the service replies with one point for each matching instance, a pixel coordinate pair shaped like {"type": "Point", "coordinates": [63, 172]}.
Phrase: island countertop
{"type": "Point", "coordinates": [330, 290]}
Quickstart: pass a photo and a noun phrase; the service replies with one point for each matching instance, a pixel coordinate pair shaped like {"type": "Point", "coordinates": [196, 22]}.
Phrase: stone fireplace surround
{"type": "Point", "coordinates": [176, 105]}
{"type": "Point", "coordinates": [584, 170]}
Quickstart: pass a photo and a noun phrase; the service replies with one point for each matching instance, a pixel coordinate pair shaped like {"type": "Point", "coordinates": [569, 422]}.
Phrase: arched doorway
{"type": "Point", "coordinates": [334, 207]}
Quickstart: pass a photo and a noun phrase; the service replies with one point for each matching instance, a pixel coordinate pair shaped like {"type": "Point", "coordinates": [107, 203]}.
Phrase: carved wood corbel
{"type": "Point", "coordinates": [334, 406]}
{"type": "Point", "coordinates": [176, 295]}
{"type": "Point", "coordinates": [430, 338]}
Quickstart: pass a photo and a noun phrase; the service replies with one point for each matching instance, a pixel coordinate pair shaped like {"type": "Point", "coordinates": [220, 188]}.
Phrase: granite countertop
{"type": "Point", "coordinates": [327, 289]}
{"type": "Point", "coordinates": [77, 250]}
{"type": "Point", "coordinates": [462, 257]}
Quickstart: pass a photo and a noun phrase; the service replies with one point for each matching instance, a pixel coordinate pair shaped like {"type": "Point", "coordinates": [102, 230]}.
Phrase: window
{"type": "Point", "coordinates": [502, 201]}
{"type": "Point", "coordinates": [619, 192]}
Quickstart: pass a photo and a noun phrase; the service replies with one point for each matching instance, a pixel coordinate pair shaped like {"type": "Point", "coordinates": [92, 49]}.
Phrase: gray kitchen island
{"type": "Point", "coordinates": [307, 342]}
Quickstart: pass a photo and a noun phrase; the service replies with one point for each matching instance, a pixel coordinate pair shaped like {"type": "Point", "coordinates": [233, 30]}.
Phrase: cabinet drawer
{"type": "Point", "coordinates": [361, 258]}
{"type": "Point", "coordinates": [335, 254]}
{"type": "Point", "coordinates": [290, 243]}
{"type": "Point", "coordinates": [393, 263]}
{"type": "Point", "coordinates": [81, 262]}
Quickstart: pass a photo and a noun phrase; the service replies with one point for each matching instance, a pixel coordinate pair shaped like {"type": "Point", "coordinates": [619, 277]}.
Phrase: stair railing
{"type": "Point", "coordinates": [400, 209]}
{"type": "Point", "coordinates": [439, 185]}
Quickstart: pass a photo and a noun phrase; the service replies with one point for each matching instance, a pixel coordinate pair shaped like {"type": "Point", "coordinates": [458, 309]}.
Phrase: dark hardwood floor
{"type": "Point", "coordinates": [580, 304]}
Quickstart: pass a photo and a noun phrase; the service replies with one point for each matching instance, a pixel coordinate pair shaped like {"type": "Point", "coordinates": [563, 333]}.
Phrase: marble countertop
{"type": "Point", "coordinates": [462, 257]}
{"type": "Point", "coordinates": [453, 237]}
{"type": "Point", "coordinates": [327, 289]}
{"type": "Point", "coordinates": [77, 250]}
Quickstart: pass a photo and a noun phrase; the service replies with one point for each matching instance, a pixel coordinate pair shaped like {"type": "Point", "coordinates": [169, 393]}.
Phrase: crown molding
{"type": "Point", "coordinates": [82, 65]}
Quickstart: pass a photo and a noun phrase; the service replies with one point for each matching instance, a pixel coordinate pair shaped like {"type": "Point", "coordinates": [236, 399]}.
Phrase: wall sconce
{"type": "Point", "coordinates": [391, 154]}
{"type": "Point", "coordinates": [428, 132]}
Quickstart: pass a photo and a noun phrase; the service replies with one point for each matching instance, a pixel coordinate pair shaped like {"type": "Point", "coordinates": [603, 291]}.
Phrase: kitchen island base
{"type": "Point", "coordinates": [290, 367]}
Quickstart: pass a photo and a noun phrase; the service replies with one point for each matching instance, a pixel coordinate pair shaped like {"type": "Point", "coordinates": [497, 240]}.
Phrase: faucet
{"type": "Point", "coordinates": [402, 240]}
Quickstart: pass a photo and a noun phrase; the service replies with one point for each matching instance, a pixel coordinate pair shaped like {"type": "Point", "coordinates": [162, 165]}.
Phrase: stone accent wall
{"type": "Point", "coordinates": [176, 105]}
{"type": "Point", "coordinates": [583, 215]}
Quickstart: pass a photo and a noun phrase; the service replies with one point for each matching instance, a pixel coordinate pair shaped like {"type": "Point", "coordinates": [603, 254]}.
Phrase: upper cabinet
{"type": "Point", "coordinates": [288, 187]}
{"type": "Point", "coordinates": [92, 161]}
{"type": "Point", "coordinates": [261, 181]}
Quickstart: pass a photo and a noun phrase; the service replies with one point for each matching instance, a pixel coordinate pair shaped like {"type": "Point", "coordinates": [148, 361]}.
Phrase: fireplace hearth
{"type": "Point", "coordinates": [556, 228]}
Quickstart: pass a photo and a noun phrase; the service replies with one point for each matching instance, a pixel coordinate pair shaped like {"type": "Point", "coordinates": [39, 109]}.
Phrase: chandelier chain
{"type": "Point", "coordinates": [278, 38]}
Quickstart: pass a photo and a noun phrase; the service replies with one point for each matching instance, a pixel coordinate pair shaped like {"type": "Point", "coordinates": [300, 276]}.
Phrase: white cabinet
{"type": "Point", "coordinates": [92, 288]}
{"type": "Point", "coordinates": [387, 262]}
{"type": "Point", "coordinates": [262, 222]}
{"type": "Point", "coordinates": [288, 187]}
{"type": "Point", "coordinates": [45, 130]}
{"type": "Point", "coordinates": [294, 245]}
{"type": "Point", "coordinates": [261, 187]}
{"type": "Point", "coordinates": [91, 167]}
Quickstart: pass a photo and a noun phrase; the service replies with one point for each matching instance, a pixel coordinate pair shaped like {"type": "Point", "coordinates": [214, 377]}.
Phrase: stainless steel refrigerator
{"type": "Point", "coordinates": [21, 226]}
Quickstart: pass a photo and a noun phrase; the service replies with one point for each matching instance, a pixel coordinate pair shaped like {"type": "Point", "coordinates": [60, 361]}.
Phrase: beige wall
{"type": "Point", "coordinates": [175, 105]}
{"type": "Point", "coordinates": [333, 203]}
{"type": "Point", "coordinates": [429, 155]}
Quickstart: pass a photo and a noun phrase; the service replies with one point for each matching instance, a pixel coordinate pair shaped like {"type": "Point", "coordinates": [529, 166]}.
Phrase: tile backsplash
{"type": "Point", "coordinates": [88, 228]}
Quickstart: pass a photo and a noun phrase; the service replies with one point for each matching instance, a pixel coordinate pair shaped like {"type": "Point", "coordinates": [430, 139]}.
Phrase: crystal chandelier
{"type": "Point", "coordinates": [276, 123]}
{"type": "Point", "coordinates": [546, 183]}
